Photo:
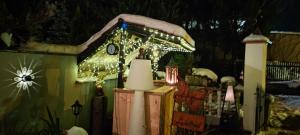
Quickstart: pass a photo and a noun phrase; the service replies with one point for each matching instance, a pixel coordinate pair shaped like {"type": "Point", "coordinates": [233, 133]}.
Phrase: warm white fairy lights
{"type": "Point", "coordinates": [156, 45]}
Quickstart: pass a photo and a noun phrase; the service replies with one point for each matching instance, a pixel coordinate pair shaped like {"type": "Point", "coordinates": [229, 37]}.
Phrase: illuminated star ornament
{"type": "Point", "coordinates": [24, 77]}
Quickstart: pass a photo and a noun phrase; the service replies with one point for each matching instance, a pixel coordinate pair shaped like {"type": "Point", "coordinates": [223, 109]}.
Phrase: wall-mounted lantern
{"type": "Point", "coordinates": [76, 109]}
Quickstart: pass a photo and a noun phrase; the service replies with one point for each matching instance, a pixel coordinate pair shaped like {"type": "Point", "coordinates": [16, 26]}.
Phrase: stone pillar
{"type": "Point", "coordinates": [254, 76]}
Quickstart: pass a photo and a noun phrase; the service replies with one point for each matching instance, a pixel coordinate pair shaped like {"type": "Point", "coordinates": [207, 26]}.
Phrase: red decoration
{"type": "Point", "coordinates": [183, 88]}
{"type": "Point", "coordinates": [189, 121]}
{"type": "Point", "coordinates": [193, 98]}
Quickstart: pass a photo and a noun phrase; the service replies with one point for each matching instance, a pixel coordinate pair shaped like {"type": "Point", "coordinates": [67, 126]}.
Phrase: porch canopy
{"type": "Point", "coordinates": [155, 36]}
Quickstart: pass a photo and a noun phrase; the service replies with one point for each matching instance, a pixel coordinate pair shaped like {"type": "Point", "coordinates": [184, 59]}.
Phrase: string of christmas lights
{"type": "Point", "coordinates": [100, 64]}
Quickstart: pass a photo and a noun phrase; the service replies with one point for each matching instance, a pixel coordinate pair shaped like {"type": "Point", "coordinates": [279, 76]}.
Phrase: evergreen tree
{"type": "Point", "coordinates": [57, 28]}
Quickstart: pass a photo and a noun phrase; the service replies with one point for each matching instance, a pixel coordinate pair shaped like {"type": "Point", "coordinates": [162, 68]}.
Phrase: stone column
{"type": "Point", "coordinates": [254, 76]}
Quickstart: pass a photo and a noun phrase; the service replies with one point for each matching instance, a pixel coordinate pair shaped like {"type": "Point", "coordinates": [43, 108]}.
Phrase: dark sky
{"type": "Point", "coordinates": [290, 19]}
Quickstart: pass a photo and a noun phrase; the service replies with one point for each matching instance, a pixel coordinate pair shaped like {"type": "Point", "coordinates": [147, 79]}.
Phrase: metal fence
{"type": "Point", "coordinates": [283, 71]}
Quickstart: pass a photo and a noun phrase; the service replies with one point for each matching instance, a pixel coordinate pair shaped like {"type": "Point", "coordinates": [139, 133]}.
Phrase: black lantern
{"type": "Point", "coordinates": [76, 109]}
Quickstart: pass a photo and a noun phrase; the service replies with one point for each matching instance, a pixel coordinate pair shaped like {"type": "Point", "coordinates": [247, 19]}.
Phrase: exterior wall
{"type": "Point", "coordinates": [56, 88]}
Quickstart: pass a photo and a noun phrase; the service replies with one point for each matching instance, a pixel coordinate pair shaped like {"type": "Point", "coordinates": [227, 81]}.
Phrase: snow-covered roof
{"type": "Point", "coordinates": [95, 64]}
{"type": "Point", "coordinates": [144, 21]}
{"type": "Point", "coordinates": [163, 26]}
{"type": "Point", "coordinates": [284, 32]}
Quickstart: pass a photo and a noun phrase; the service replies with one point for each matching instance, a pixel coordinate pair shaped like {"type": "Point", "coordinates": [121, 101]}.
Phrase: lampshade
{"type": "Point", "coordinates": [140, 75]}
{"type": "Point", "coordinates": [229, 94]}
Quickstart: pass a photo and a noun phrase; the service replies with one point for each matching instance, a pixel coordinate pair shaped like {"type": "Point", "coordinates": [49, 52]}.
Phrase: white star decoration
{"type": "Point", "coordinates": [24, 77]}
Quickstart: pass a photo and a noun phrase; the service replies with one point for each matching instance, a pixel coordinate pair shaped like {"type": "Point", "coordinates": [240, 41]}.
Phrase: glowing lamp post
{"type": "Point", "coordinates": [229, 97]}
{"type": "Point", "coordinates": [171, 74]}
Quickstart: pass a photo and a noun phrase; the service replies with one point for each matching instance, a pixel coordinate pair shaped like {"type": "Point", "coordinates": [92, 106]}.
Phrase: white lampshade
{"type": "Point", "coordinates": [140, 75]}
{"type": "Point", "coordinates": [229, 94]}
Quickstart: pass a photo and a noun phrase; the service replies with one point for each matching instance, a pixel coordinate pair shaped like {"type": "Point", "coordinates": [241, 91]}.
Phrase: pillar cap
{"type": "Point", "coordinates": [254, 38]}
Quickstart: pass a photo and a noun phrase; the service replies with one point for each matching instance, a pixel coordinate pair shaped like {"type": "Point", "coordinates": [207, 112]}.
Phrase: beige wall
{"type": "Point", "coordinates": [57, 89]}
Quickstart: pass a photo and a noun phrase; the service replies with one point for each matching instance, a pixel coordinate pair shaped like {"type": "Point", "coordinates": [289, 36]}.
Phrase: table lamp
{"type": "Point", "coordinates": [139, 79]}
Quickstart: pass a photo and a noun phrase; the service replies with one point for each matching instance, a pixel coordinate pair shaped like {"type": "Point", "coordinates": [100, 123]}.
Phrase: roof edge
{"type": "Point", "coordinates": [134, 19]}
{"type": "Point", "coordinates": [284, 32]}
{"type": "Point", "coordinates": [144, 21]}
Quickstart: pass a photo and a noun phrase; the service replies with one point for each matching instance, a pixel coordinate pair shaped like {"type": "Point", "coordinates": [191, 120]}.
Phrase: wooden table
{"type": "Point", "coordinates": [158, 108]}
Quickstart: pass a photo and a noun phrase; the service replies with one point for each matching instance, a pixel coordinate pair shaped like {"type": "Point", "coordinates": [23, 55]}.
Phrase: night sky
{"type": "Point", "coordinates": [289, 20]}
